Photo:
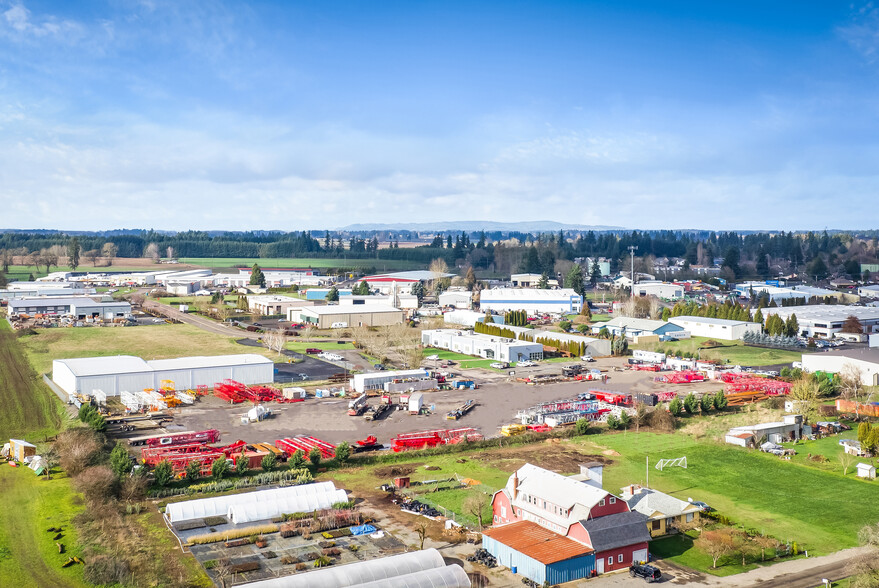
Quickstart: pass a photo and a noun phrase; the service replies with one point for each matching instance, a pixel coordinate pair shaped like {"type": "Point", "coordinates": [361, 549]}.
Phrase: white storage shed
{"type": "Point", "coordinates": [127, 373]}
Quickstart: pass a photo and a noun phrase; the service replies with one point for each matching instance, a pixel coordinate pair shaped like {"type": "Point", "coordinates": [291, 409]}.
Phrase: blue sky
{"type": "Point", "coordinates": [292, 115]}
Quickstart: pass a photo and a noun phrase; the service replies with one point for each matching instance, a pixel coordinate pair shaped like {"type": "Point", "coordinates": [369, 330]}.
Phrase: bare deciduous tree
{"type": "Point", "coordinates": [170, 253]}
{"type": "Point", "coordinates": [421, 531]}
{"type": "Point", "coordinates": [850, 381]}
{"type": "Point", "coordinates": [846, 460]}
{"type": "Point", "coordinates": [152, 252]}
{"type": "Point", "coordinates": [475, 504]}
{"type": "Point", "coordinates": [109, 251]}
{"type": "Point", "coordinates": [275, 340]}
{"type": "Point", "coordinates": [92, 255]}
{"type": "Point", "coordinates": [308, 331]}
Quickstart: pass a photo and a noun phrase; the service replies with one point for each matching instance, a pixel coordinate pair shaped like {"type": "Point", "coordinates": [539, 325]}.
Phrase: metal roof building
{"type": "Point", "coordinates": [376, 380]}
{"type": "Point", "coordinates": [532, 301]}
{"type": "Point", "coordinates": [350, 315]}
{"type": "Point", "coordinates": [538, 553]}
{"type": "Point", "coordinates": [479, 344]}
{"type": "Point", "coordinates": [81, 307]}
{"type": "Point", "coordinates": [119, 373]}
{"type": "Point", "coordinates": [699, 326]}
{"type": "Point", "coordinates": [416, 569]}
{"type": "Point", "coordinates": [826, 320]}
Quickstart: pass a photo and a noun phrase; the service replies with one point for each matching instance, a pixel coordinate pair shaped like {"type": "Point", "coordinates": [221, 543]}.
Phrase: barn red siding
{"type": "Point", "coordinates": [628, 553]}
{"type": "Point", "coordinates": [608, 508]}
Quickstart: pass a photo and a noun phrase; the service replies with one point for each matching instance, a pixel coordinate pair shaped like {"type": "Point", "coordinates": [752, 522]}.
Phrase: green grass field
{"type": "Point", "coordinates": [28, 409]}
{"type": "Point", "coordinates": [29, 557]}
{"type": "Point", "coordinates": [734, 351]}
{"type": "Point", "coordinates": [822, 511]}
{"type": "Point", "coordinates": [463, 361]}
{"type": "Point", "coordinates": [303, 262]}
{"type": "Point", "coordinates": [162, 341]}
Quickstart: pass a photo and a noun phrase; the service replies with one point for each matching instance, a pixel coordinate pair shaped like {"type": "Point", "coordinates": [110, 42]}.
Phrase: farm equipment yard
{"type": "Point", "coordinates": [499, 398]}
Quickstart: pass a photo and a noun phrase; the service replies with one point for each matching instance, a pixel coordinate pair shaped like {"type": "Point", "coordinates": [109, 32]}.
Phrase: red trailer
{"type": "Point", "coordinates": [208, 436]}
{"type": "Point", "coordinates": [422, 439]}
{"type": "Point", "coordinates": [306, 443]}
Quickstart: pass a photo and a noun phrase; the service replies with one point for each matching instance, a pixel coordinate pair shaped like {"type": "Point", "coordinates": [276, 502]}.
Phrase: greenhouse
{"type": "Point", "coordinates": [263, 504]}
{"type": "Point", "coordinates": [417, 568]}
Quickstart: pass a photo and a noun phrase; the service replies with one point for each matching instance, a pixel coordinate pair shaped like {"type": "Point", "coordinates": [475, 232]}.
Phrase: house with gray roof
{"type": "Point", "coordinates": [663, 512]}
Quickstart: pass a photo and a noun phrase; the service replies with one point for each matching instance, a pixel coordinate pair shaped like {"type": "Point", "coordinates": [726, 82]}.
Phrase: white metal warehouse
{"type": "Point", "coordinates": [416, 569]}
{"type": "Point", "coordinates": [376, 380]}
{"type": "Point", "coordinates": [532, 301]}
{"type": "Point", "coordinates": [260, 505]}
{"type": "Point", "coordinates": [126, 373]}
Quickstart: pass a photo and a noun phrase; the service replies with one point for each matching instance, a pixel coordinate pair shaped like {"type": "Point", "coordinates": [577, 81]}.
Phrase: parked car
{"type": "Point", "coordinates": [499, 365]}
{"type": "Point", "coordinates": [302, 376]}
{"type": "Point", "coordinates": [586, 358]}
{"type": "Point", "coordinates": [330, 356]}
{"type": "Point", "coordinates": [649, 573]}
{"type": "Point", "coordinates": [379, 367]}
{"type": "Point", "coordinates": [702, 506]}
{"type": "Point", "coordinates": [526, 363]}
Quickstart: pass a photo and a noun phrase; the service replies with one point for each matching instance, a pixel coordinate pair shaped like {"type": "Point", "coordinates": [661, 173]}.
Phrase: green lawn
{"type": "Point", "coordinates": [601, 318]}
{"type": "Point", "coordinates": [29, 557]}
{"type": "Point", "coordinates": [828, 448]}
{"type": "Point", "coordinates": [680, 549]}
{"type": "Point", "coordinates": [820, 510]}
{"type": "Point", "coordinates": [28, 409]}
{"type": "Point", "coordinates": [303, 262]}
{"type": "Point", "coordinates": [161, 341]}
{"type": "Point", "coordinates": [733, 352]}
{"type": "Point", "coordinates": [323, 345]}
{"type": "Point", "coordinates": [464, 361]}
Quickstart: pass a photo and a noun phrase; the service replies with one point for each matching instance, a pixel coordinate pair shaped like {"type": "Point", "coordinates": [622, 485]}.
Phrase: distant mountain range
{"type": "Point", "coordinates": [471, 226]}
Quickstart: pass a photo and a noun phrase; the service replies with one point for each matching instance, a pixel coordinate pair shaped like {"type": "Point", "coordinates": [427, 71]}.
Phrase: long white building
{"type": "Point", "coordinates": [481, 345]}
{"type": "Point", "coordinates": [126, 373]}
{"type": "Point", "coordinates": [80, 307]}
{"type": "Point", "coordinates": [659, 289]}
{"type": "Point", "coordinates": [376, 380]}
{"type": "Point", "coordinates": [533, 301]}
{"type": "Point", "coordinates": [866, 361]}
{"type": "Point", "coordinates": [715, 328]}
{"type": "Point", "coordinates": [826, 320]}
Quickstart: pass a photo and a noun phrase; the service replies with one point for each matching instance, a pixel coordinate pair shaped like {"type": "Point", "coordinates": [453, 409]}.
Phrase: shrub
{"type": "Point", "coordinates": [613, 422]}
{"type": "Point", "coordinates": [343, 452]}
{"type": "Point", "coordinates": [163, 473]}
{"type": "Point", "coordinates": [707, 403]}
{"type": "Point", "coordinates": [219, 468]}
{"type": "Point", "coordinates": [675, 406]}
{"type": "Point", "coordinates": [77, 449]}
{"type": "Point", "coordinates": [106, 569]}
{"type": "Point", "coordinates": [691, 403]}
{"type": "Point", "coordinates": [193, 471]}
{"type": "Point", "coordinates": [97, 483]}
{"type": "Point", "coordinates": [241, 465]}
{"type": "Point", "coordinates": [269, 462]}
{"type": "Point", "coordinates": [297, 460]}
{"type": "Point", "coordinates": [314, 456]}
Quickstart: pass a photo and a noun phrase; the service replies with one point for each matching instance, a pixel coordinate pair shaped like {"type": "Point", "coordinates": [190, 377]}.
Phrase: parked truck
{"type": "Point", "coordinates": [357, 406]}
{"type": "Point", "coordinates": [376, 411]}
{"type": "Point", "coordinates": [416, 401]}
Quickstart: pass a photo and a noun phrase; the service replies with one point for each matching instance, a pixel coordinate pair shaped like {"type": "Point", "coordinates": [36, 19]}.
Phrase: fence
{"type": "Point", "coordinates": [65, 398]}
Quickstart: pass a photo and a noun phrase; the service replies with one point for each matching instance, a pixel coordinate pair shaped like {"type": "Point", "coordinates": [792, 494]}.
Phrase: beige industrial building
{"type": "Point", "coordinates": [349, 315]}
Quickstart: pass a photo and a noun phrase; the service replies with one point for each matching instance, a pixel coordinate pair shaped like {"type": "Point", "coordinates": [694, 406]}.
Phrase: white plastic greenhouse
{"type": "Point", "coordinates": [263, 504]}
{"type": "Point", "coordinates": [416, 568]}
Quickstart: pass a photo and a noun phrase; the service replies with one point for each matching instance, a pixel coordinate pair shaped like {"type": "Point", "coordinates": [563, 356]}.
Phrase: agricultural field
{"type": "Point", "coordinates": [732, 352]}
{"type": "Point", "coordinates": [381, 265]}
{"type": "Point", "coordinates": [162, 341]}
{"type": "Point", "coordinates": [822, 511]}
{"type": "Point", "coordinates": [29, 557]}
{"type": "Point", "coordinates": [28, 409]}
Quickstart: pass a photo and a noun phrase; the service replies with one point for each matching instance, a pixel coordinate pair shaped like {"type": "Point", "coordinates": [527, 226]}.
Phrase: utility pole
{"type": "Point", "coordinates": [632, 249]}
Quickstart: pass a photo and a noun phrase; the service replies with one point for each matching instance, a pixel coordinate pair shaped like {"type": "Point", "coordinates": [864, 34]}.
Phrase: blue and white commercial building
{"type": "Point", "coordinates": [715, 328]}
{"type": "Point", "coordinates": [532, 301]}
{"type": "Point", "coordinates": [637, 327]}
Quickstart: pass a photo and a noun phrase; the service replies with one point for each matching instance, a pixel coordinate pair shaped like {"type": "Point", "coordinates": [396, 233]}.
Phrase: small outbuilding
{"type": "Point", "coordinates": [867, 471]}
{"type": "Point", "coordinates": [18, 449]}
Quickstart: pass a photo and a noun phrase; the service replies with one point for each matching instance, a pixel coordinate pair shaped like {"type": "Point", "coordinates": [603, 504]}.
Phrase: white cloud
{"type": "Point", "coordinates": [21, 25]}
{"type": "Point", "coordinates": [862, 32]}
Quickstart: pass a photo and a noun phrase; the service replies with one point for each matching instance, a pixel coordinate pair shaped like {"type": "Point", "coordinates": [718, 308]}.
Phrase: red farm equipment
{"type": "Point", "coordinates": [230, 391]}
{"type": "Point", "coordinates": [208, 436]}
{"type": "Point", "coordinates": [422, 439]}
{"type": "Point", "coordinates": [306, 443]}
{"type": "Point", "coordinates": [681, 377]}
{"type": "Point", "coordinates": [609, 397]}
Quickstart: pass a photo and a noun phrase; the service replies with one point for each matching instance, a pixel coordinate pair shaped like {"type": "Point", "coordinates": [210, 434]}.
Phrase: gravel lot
{"type": "Point", "coordinates": [499, 398]}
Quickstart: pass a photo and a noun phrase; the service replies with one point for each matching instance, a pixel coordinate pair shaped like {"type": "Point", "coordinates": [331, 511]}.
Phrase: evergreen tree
{"type": "Point", "coordinates": [595, 273]}
{"type": "Point", "coordinates": [707, 403]}
{"type": "Point", "coordinates": [73, 250]}
{"type": "Point", "coordinates": [675, 406]}
{"type": "Point", "coordinates": [333, 295]}
{"type": "Point", "coordinates": [120, 461]}
{"type": "Point", "coordinates": [574, 279]}
{"type": "Point", "coordinates": [163, 473]}
{"type": "Point", "coordinates": [691, 403]}
{"type": "Point", "coordinates": [256, 277]}
{"type": "Point", "coordinates": [343, 452]}
{"type": "Point", "coordinates": [241, 465]}
{"type": "Point", "coordinates": [219, 468]}
{"type": "Point", "coordinates": [297, 460]}
{"type": "Point", "coordinates": [269, 462]}
{"type": "Point", "coordinates": [720, 400]}
{"type": "Point", "coordinates": [543, 284]}
{"type": "Point", "coordinates": [791, 326]}
{"type": "Point", "coordinates": [666, 314]}
{"type": "Point", "coordinates": [193, 470]}
{"type": "Point", "coordinates": [314, 456]}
